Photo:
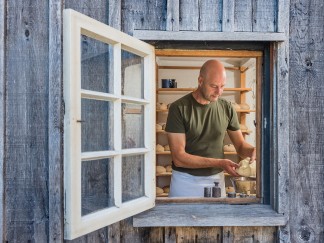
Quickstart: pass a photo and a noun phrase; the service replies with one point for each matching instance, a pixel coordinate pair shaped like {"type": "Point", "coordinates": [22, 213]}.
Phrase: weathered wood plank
{"type": "Point", "coordinates": [243, 15]}
{"type": "Point", "coordinates": [210, 15]}
{"type": "Point", "coordinates": [209, 215]}
{"type": "Point", "coordinates": [306, 102]}
{"type": "Point", "coordinates": [169, 234]}
{"type": "Point", "coordinates": [249, 234]}
{"type": "Point", "coordinates": [26, 182]}
{"type": "Point", "coordinates": [55, 123]}
{"type": "Point", "coordinates": [2, 112]}
{"type": "Point", "coordinates": [228, 16]}
{"type": "Point", "coordinates": [114, 14]}
{"type": "Point", "coordinates": [172, 23]}
{"type": "Point", "coordinates": [264, 15]}
{"type": "Point", "coordinates": [281, 124]}
{"type": "Point", "coordinates": [189, 15]}
{"type": "Point", "coordinates": [208, 36]}
{"type": "Point", "coordinates": [199, 234]}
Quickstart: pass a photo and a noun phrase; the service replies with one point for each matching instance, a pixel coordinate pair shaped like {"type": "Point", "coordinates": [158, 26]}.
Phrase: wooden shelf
{"type": "Point", "coordinates": [243, 131]}
{"type": "Point", "coordinates": [164, 152]}
{"type": "Point", "coordinates": [161, 131]}
{"type": "Point", "coordinates": [172, 90]}
{"type": "Point", "coordinates": [242, 111]}
{"type": "Point", "coordinates": [164, 174]}
{"type": "Point", "coordinates": [163, 195]}
{"type": "Point", "coordinates": [230, 153]}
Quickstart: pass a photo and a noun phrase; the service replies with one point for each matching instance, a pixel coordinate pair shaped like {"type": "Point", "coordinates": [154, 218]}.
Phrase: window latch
{"type": "Point", "coordinates": [80, 121]}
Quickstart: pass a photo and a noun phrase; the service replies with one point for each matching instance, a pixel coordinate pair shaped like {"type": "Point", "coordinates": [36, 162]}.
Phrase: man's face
{"type": "Point", "coordinates": [212, 86]}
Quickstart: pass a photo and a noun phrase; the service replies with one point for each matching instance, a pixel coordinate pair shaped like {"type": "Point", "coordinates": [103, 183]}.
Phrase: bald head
{"type": "Point", "coordinates": [212, 66]}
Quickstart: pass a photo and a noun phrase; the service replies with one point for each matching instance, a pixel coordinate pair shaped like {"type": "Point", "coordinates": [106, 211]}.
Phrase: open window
{"type": "Point", "coordinates": [110, 89]}
{"type": "Point", "coordinates": [109, 160]}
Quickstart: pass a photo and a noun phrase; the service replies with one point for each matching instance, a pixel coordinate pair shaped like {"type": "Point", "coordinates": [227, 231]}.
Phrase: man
{"type": "Point", "coordinates": [196, 127]}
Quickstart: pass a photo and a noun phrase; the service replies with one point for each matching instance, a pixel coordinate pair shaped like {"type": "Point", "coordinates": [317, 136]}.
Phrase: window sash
{"type": "Point", "coordinates": [75, 25]}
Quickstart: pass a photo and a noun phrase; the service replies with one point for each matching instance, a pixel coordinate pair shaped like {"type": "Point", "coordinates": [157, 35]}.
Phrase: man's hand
{"type": "Point", "coordinates": [229, 166]}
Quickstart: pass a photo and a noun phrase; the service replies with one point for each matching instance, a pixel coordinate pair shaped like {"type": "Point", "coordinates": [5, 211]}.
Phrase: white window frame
{"type": "Point", "coordinates": [75, 25]}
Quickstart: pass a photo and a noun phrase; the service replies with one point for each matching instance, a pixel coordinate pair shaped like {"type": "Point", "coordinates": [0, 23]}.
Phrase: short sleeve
{"type": "Point", "coordinates": [233, 123]}
{"type": "Point", "coordinates": [175, 122]}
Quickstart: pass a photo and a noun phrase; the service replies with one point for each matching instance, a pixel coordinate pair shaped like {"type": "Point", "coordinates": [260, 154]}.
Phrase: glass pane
{"type": "Point", "coordinates": [132, 126]}
{"type": "Point", "coordinates": [132, 177]}
{"type": "Point", "coordinates": [132, 74]}
{"type": "Point", "coordinates": [96, 65]}
{"type": "Point", "coordinates": [97, 125]}
{"type": "Point", "coordinates": [97, 185]}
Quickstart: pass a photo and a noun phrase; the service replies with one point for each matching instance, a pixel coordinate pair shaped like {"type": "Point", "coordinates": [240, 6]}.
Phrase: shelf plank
{"type": "Point", "coordinates": [230, 153]}
{"type": "Point", "coordinates": [192, 67]}
{"type": "Point", "coordinates": [163, 195]}
{"type": "Point", "coordinates": [164, 174]}
{"type": "Point", "coordinates": [164, 152]}
{"type": "Point", "coordinates": [173, 90]}
{"type": "Point", "coordinates": [242, 111]}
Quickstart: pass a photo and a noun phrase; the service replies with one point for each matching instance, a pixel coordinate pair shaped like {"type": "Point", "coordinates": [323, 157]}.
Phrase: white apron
{"type": "Point", "coordinates": [186, 185]}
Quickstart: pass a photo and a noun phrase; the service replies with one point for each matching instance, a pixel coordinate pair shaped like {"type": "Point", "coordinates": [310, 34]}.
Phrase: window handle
{"type": "Point", "coordinates": [80, 121]}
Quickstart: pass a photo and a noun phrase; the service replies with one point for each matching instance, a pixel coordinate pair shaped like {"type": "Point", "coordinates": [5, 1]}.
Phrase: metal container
{"type": "Point", "coordinates": [246, 185]}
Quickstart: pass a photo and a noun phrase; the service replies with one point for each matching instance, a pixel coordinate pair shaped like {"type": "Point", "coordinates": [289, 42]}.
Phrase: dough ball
{"type": "Point", "coordinates": [163, 106]}
{"type": "Point", "coordinates": [243, 127]}
{"type": "Point", "coordinates": [166, 189]}
{"type": "Point", "coordinates": [244, 169]}
{"type": "Point", "coordinates": [244, 106]}
{"type": "Point", "coordinates": [158, 127]}
{"type": "Point", "coordinates": [168, 168]}
{"type": "Point", "coordinates": [235, 105]}
{"type": "Point", "coordinates": [253, 169]}
{"type": "Point", "coordinates": [160, 169]}
{"type": "Point", "coordinates": [163, 126]}
{"type": "Point", "coordinates": [229, 148]}
{"type": "Point", "coordinates": [159, 190]}
{"type": "Point", "coordinates": [159, 148]}
{"type": "Point", "coordinates": [167, 148]}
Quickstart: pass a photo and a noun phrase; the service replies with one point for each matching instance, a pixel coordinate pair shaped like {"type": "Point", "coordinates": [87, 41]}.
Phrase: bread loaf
{"type": "Point", "coordinates": [160, 169]}
{"type": "Point", "coordinates": [229, 148]}
{"type": "Point", "coordinates": [168, 168]}
{"type": "Point", "coordinates": [159, 190]}
{"type": "Point", "coordinates": [159, 148]}
{"type": "Point", "coordinates": [166, 189]}
{"type": "Point", "coordinates": [167, 148]}
{"type": "Point", "coordinates": [158, 127]}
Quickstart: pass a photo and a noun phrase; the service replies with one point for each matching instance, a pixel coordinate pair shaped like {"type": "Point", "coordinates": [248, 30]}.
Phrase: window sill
{"type": "Point", "coordinates": [177, 215]}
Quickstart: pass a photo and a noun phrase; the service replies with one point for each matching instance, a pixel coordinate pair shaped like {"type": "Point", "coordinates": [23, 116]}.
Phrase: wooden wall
{"type": "Point", "coordinates": [31, 112]}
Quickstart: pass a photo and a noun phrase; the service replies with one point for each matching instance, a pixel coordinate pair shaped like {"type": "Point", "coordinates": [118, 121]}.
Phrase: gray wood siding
{"type": "Point", "coordinates": [31, 114]}
{"type": "Point", "coordinates": [306, 102]}
{"type": "Point", "coordinates": [26, 134]}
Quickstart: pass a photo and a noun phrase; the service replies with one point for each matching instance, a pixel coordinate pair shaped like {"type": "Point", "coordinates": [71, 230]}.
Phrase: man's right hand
{"type": "Point", "coordinates": [229, 166]}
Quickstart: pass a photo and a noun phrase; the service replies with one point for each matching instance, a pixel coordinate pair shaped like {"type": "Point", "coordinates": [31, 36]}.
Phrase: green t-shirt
{"type": "Point", "coordinates": [204, 127]}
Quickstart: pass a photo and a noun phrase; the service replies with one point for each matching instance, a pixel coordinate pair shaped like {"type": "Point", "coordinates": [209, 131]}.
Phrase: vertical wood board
{"type": "Point", "coordinates": [228, 16]}
{"type": "Point", "coordinates": [2, 112]}
{"type": "Point", "coordinates": [189, 15]}
{"type": "Point", "coordinates": [243, 15]}
{"type": "Point", "coordinates": [249, 234]}
{"type": "Point", "coordinates": [210, 15]}
{"type": "Point", "coordinates": [26, 182]}
{"type": "Point", "coordinates": [264, 15]}
{"type": "Point", "coordinates": [172, 23]}
{"type": "Point", "coordinates": [306, 101]}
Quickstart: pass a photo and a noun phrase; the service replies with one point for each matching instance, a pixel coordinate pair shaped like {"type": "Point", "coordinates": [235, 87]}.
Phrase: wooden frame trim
{"type": "Point", "coordinates": [207, 53]}
{"type": "Point", "coordinates": [208, 36]}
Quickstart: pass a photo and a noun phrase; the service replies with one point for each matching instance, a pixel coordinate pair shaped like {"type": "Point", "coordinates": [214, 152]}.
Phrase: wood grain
{"type": "Point", "coordinates": [188, 15]}
{"type": "Point", "coordinates": [210, 15]}
{"type": "Point", "coordinates": [2, 113]}
{"type": "Point", "coordinates": [187, 215]}
{"type": "Point", "coordinates": [306, 137]}
{"type": "Point", "coordinates": [55, 123]}
{"type": "Point", "coordinates": [172, 23]}
{"type": "Point", "coordinates": [249, 234]}
{"type": "Point", "coordinates": [243, 15]}
{"type": "Point", "coordinates": [228, 16]}
{"type": "Point", "coordinates": [264, 14]}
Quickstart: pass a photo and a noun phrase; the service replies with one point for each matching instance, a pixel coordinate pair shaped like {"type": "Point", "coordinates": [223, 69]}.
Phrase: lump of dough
{"type": "Point", "coordinates": [229, 148]}
{"type": "Point", "coordinates": [167, 148]}
{"type": "Point", "coordinates": [158, 127]}
{"type": "Point", "coordinates": [161, 106]}
{"type": "Point", "coordinates": [160, 169]}
{"type": "Point", "coordinates": [243, 127]}
{"type": "Point", "coordinates": [159, 190]}
{"type": "Point", "coordinates": [229, 189]}
{"type": "Point", "coordinates": [166, 189]}
{"type": "Point", "coordinates": [244, 106]}
{"type": "Point", "coordinates": [159, 148]}
{"type": "Point", "coordinates": [168, 168]}
{"type": "Point", "coordinates": [244, 169]}
{"type": "Point", "coordinates": [235, 105]}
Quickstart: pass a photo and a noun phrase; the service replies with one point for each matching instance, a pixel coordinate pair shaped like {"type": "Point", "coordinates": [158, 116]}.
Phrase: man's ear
{"type": "Point", "coordinates": [200, 81]}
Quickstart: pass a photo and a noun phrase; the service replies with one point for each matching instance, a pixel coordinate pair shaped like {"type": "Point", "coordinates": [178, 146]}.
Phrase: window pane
{"type": "Point", "coordinates": [132, 177]}
{"type": "Point", "coordinates": [132, 75]}
{"type": "Point", "coordinates": [97, 126]}
{"type": "Point", "coordinates": [97, 185]}
{"type": "Point", "coordinates": [132, 126]}
{"type": "Point", "coordinates": [96, 65]}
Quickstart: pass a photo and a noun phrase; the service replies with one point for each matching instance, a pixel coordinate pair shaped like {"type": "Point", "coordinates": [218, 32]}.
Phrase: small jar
{"type": "Point", "coordinates": [216, 191]}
